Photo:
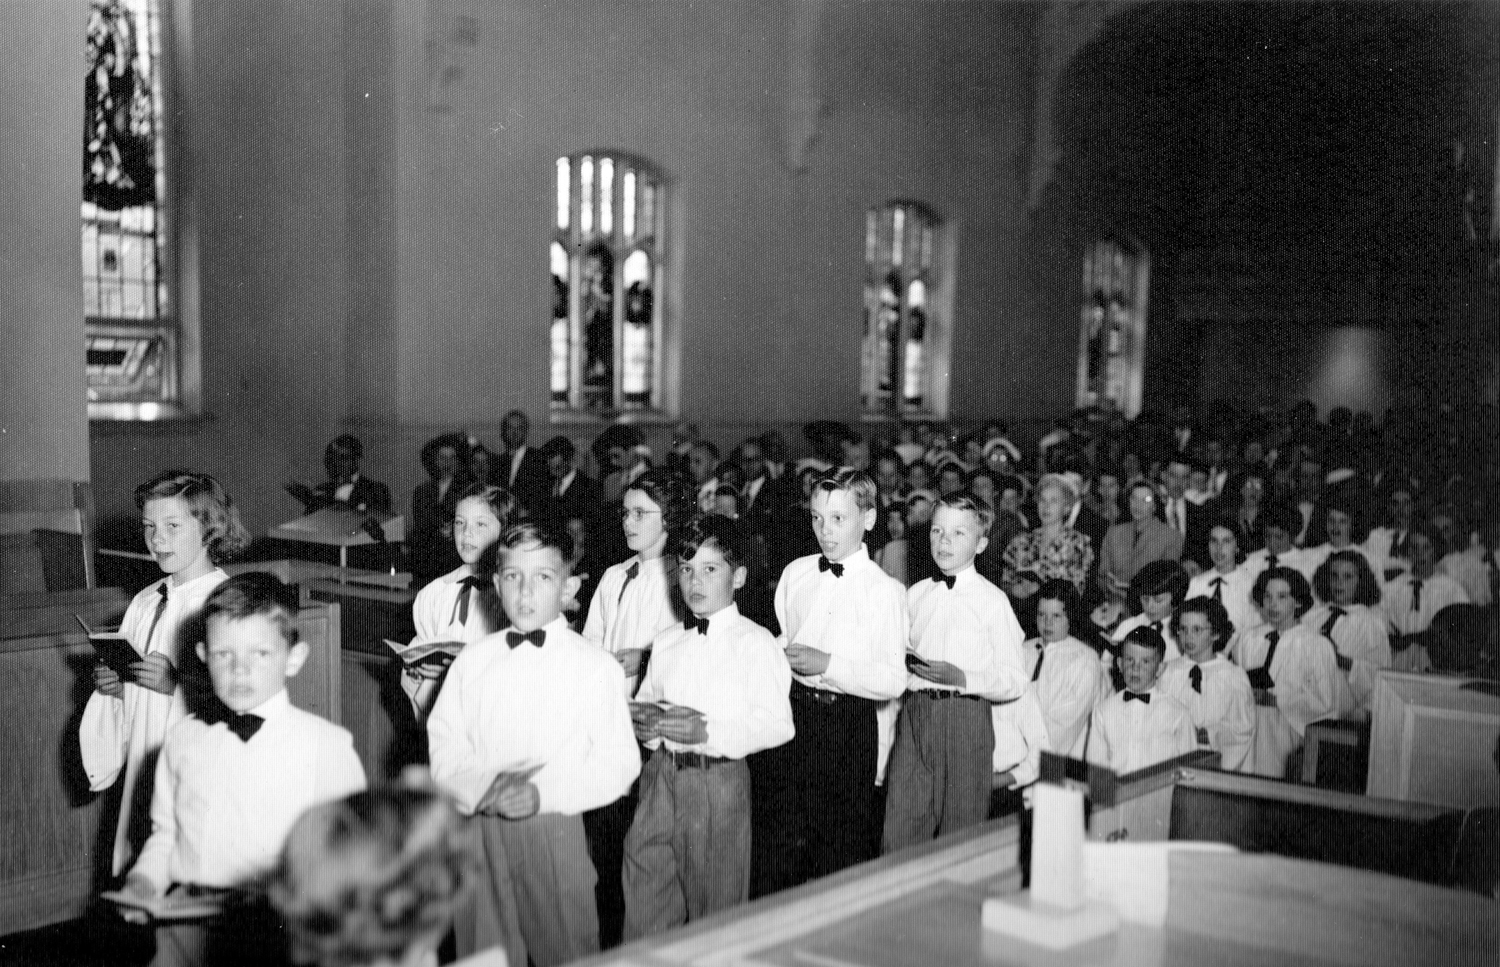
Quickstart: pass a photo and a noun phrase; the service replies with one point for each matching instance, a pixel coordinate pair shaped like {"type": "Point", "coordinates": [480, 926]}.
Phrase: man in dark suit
{"type": "Point", "coordinates": [570, 493]}
{"type": "Point", "coordinates": [1187, 519]}
{"type": "Point", "coordinates": [345, 485]}
{"type": "Point", "coordinates": [521, 469]}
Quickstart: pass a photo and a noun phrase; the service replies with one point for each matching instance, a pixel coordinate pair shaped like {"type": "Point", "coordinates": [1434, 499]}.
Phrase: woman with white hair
{"type": "Point", "coordinates": [1052, 549]}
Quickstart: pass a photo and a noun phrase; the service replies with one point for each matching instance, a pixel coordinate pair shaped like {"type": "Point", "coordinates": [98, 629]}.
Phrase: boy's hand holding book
{"type": "Point", "coordinates": [937, 672]}
{"type": "Point", "coordinates": [512, 794]}
{"type": "Point", "coordinates": [682, 724]}
{"type": "Point", "coordinates": [630, 660]}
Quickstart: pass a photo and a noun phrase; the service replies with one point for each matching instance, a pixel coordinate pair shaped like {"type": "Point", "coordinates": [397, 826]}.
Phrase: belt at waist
{"type": "Point", "coordinates": [819, 696]}
{"type": "Point", "coordinates": [692, 760]}
{"type": "Point", "coordinates": [938, 694]}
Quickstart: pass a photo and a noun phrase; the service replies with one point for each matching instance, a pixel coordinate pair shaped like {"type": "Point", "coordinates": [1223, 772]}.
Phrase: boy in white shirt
{"type": "Point", "coordinates": [231, 783]}
{"type": "Point", "coordinates": [844, 628]}
{"type": "Point", "coordinates": [715, 691]}
{"type": "Point", "coordinates": [531, 729]}
{"type": "Point", "coordinates": [1140, 725]}
{"type": "Point", "coordinates": [965, 653]}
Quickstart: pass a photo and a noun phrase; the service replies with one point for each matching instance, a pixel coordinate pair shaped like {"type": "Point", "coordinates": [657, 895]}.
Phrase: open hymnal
{"type": "Point", "coordinates": [425, 652]}
{"type": "Point", "coordinates": [190, 904]}
{"type": "Point", "coordinates": [112, 648]}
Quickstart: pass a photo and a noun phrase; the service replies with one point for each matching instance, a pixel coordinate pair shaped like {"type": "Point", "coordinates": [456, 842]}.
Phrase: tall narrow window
{"type": "Point", "coordinates": [606, 259]}
{"type": "Point", "coordinates": [133, 336]}
{"type": "Point", "coordinates": [901, 275]}
{"type": "Point", "coordinates": [1112, 331]}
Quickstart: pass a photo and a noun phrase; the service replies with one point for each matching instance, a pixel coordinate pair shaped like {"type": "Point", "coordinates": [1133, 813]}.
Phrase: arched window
{"type": "Point", "coordinates": [606, 262]}
{"type": "Point", "coordinates": [1112, 331]}
{"type": "Point", "coordinates": [134, 332]}
{"type": "Point", "coordinates": [902, 274]}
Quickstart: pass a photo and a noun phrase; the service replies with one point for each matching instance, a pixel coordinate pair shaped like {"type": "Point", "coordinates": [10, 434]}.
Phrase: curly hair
{"type": "Point", "coordinates": [672, 491]}
{"type": "Point", "coordinates": [365, 878]}
{"type": "Point", "coordinates": [1214, 611]}
{"type": "Point", "coordinates": [223, 534]}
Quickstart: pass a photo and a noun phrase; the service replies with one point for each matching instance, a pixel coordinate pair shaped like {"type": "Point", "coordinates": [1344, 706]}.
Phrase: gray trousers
{"type": "Point", "coordinates": [939, 777]}
{"type": "Point", "coordinates": [534, 894]}
{"type": "Point", "coordinates": [688, 851]}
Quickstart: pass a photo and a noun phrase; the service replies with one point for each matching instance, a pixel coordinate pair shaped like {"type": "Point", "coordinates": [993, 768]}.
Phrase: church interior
{"type": "Point", "coordinates": [399, 219]}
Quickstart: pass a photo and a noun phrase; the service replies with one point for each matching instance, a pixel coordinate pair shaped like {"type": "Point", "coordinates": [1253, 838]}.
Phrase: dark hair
{"type": "Point", "coordinates": [223, 534]}
{"type": "Point", "coordinates": [708, 447]}
{"type": "Point", "coordinates": [950, 466]}
{"type": "Point", "coordinates": [967, 500]}
{"type": "Point", "coordinates": [533, 535]}
{"type": "Point", "coordinates": [348, 444]}
{"type": "Point", "coordinates": [558, 446]}
{"type": "Point", "coordinates": [1146, 636]}
{"type": "Point", "coordinates": [1295, 582]}
{"type": "Point", "coordinates": [362, 879]}
{"type": "Point", "coordinates": [1214, 611]}
{"type": "Point", "coordinates": [722, 532]}
{"type": "Point", "coordinates": [674, 492]}
{"type": "Point", "coordinates": [1061, 589]}
{"type": "Point", "coordinates": [1349, 505]}
{"type": "Point", "coordinates": [1157, 577]}
{"type": "Point", "coordinates": [255, 593]}
{"type": "Point", "coordinates": [860, 484]}
{"type": "Point", "coordinates": [1280, 515]}
{"type": "Point", "coordinates": [457, 441]}
{"type": "Point", "coordinates": [1455, 640]}
{"type": "Point", "coordinates": [1367, 593]}
{"type": "Point", "coordinates": [1438, 541]}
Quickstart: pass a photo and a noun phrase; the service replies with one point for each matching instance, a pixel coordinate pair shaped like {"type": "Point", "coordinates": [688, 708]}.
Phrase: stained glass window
{"type": "Point", "coordinates": [606, 258]}
{"type": "Point", "coordinates": [1112, 330]}
{"type": "Point", "coordinates": [901, 273]}
{"type": "Point", "coordinates": [132, 337]}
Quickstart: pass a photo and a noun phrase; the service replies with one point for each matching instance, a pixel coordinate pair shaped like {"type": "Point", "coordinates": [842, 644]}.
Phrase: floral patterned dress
{"type": "Point", "coordinates": [1067, 555]}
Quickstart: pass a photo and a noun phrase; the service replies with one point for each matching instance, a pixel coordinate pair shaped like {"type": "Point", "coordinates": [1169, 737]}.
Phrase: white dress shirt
{"type": "Point", "coordinates": [735, 675]}
{"type": "Point", "coordinates": [1128, 736]}
{"type": "Point", "coordinates": [1360, 636]}
{"type": "Point", "coordinates": [1071, 682]}
{"type": "Point", "coordinates": [561, 706]}
{"type": "Point", "coordinates": [1234, 594]}
{"type": "Point", "coordinates": [1020, 738]}
{"type": "Point", "coordinates": [628, 612]}
{"type": "Point", "coordinates": [970, 625]}
{"type": "Point", "coordinates": [859, 619]}
{"type": "Point", "coordinates": [1223, 706]}
{"type": "Point", "coordinates": [120, 733]}
{"type": "Point", "coordinates": [222, 807]}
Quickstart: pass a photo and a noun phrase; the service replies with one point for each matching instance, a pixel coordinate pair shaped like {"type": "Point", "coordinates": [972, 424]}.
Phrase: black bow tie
{"type": "Point", "coordinates": [824, 564]}
{"type": "Point", "coordinates": [948, 579]}
{"type": "Point", "coordinates": [631, 573]}
{"type": "Point", "coordinates": [1137, 696]}
{"type": "Point", "coordinates": [242, 724]}
{"type": "Point", "coordinates": [466, 589]}
{"type": "Point", "coordinates": [1195, 677]}
{"type": "Point", "coordinates": [537, 637]}
{"type": "Point", "coordinates": [691, 623]}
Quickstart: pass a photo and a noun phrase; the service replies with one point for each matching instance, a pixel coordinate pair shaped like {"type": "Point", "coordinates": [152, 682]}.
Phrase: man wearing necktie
{"type": "Point", "coordinates": [1413, 599]}
{"type": "Point", "coordinates": [1140, 725]}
